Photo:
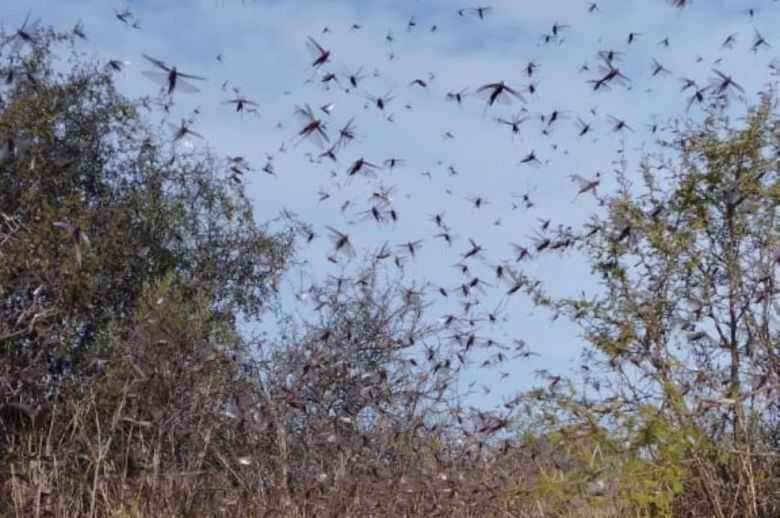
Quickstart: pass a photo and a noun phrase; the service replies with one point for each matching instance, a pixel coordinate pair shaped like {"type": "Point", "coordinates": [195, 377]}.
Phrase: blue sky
{"type": "Point", "coordinates": [263, 51]}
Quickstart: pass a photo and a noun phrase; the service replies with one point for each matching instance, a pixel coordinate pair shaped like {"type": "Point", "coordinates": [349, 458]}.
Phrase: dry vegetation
{"type": "Point", "coordinates": [126, 388]}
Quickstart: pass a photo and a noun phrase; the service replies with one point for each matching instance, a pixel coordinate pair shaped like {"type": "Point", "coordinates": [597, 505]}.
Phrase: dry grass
{"type": "Point", "coordinates": [159, 432]}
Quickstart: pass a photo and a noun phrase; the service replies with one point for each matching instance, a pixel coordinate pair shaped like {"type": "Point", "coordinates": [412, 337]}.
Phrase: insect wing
{"type": "Point", "coordinates": [189, 76]}
{"type": "Point", "coordinates": [184, 86]}
{"type": "Point", "coordinates": [156, 62]}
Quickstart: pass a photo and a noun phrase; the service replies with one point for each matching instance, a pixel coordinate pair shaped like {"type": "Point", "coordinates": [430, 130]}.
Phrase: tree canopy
{"type": "Point", "coordinates": [684, 330]}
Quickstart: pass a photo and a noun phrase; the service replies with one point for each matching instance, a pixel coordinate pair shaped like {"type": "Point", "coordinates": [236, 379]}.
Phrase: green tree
{"type": "Point", "coordinates": [126, 265]}
{"type": "Point", "coordinates": [95, 204]}
{"type": "Point", "coordinates": [685, 322]}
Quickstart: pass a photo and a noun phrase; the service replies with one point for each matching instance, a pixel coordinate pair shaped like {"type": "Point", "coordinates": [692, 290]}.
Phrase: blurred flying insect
{"type": "Point", "coordinates": [659, 69]}
{"type": "Point", "coordinates": [361, 165]}
{"type": "Point", "coordinates": [392, 163]}
{"type": "Point", "coordinates": [618, 125]}
{"type": "Point", "coordinates": [346, 134]}
{"type": "Point", "coordinates": [341, 242]}
{"type": "Point", "coordinates": [610, 74]}
{"type": "Point", "coordinates": [354, 78]}
{"type": "Point", "coordinates": [380, 102]}
{"type": "Point", "coordinates": [456, 96]}
{"type": "Point", "coordinates": [117, 65]}
{"type": "Point", "coordinates": [729, 41]}
{"type": "Point", "coordinates": [128, 18]}
{"type": "Point", "coordinates": [24, 34]}
{"type": "Point", "coordinates": [313, 128]}
{"type": "Point", "coordinates": [171, 79]}
{"type": "Point", "coordinates": [79, 31]}
{"type": "Point", "coordinates": [723, 85]}
{"type": "Point", "coordinates": [241, 103]}
{"type": "Point", "coordinates": [183, 133]}
{"type": "Point", "coordinates": [531, 159]}
{"type": "Point", "coordinates": [319, 54]}
{"type": "Point", "coordinates": [514, 123]}
{"type": "Point", "coordinates": [500, 93]}
{"type": "Point", "coordinates": [697, 97]}
{"type": "Point", "coordinates": [759, 42]}
{"type": "Point", "coordinates": [480, 12]}
{"type": "Point", "coordinates": [585, 185]}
